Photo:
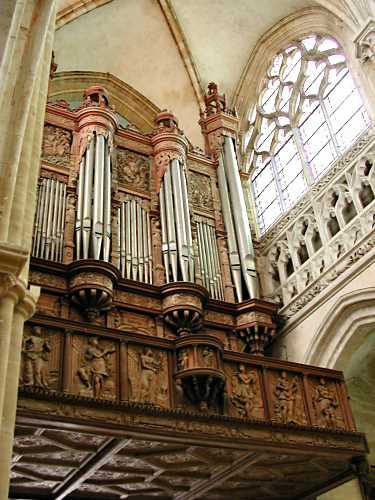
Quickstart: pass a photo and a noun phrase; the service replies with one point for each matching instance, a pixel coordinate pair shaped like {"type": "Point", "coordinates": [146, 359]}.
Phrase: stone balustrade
{"type": "Point", "coordinates": [324, 234]}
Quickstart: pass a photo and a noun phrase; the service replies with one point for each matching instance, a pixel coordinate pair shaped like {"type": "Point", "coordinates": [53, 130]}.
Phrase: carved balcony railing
{"type": "Point", "coordinates": [326, 233]}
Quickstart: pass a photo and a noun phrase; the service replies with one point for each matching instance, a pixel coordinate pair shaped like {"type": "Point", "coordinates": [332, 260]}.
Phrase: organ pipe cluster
{"type": "Point", "coordinates": [93, 222]}
{"type": "Point", "coordinates": [177, 243]}
{"type": "Point", "coordinates": [209, 260]}
{"type": "Point", "coordinates": [134, 241]}
{"type": "Point", "coordinates": [241, 252]}
{"type": "Point", "coordinates": [49, 220]}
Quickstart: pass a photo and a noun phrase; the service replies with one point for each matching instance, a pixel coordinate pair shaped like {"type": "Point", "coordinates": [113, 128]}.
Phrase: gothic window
{"type": "Point", "coordinates": [308, 113]}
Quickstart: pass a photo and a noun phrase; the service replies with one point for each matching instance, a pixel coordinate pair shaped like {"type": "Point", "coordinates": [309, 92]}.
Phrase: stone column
{"type": "Point", "coordinates": [23, 310]}
{"type": "Point", "coordinates": [25, 59]}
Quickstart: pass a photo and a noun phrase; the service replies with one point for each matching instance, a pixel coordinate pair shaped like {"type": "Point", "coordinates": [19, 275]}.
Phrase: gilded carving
{"type": "Point", "coordinates": [133, 169]}
{"type": "Point", "coordinates": [96, 370]}
{"type": "Point", "coordinates": [148, 376]}
{"type": "Point", "coordinates": [201, 194]}
{"type": "Point", "coordinates": [56, 145]}
{"type": "Point", "coordinates": [287, 402]}
{"type": "Point", "coordinates": [245, 393]}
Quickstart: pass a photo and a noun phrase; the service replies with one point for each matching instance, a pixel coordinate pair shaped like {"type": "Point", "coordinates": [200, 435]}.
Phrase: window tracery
{"type": "Point", "coordinates": [309, 112]}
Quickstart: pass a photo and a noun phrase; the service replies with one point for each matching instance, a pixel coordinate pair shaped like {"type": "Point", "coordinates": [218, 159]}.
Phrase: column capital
{"type": "Point", "coordinates": [365, 42]}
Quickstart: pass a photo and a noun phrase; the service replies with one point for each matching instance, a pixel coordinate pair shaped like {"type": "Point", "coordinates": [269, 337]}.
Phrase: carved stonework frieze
{"type": "Point", "coordinates": [94, 366]}
{"type": "Point", "coordinates": [56, 145]}
{"type": "Point", "coordinates": [40, 365]}
{"type": "Point", "coordinates": [365, 43]}
{"type": "Point", "coordinates": [200, 189]}
{"type": "Point", "coordinates": [287, 394]}
{"type": "Point", "coordinates": [148, 376]}
{"type": "Point", "coordinates": [243, 392]}
{"type": "Point", "coordinates": [133, 169]}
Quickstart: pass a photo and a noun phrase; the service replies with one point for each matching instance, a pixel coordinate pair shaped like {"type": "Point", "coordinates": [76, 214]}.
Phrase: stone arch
{"type": "Point", "coordinates": [127, 101]}
{"type": "Point", "coordinates": [343, 329]}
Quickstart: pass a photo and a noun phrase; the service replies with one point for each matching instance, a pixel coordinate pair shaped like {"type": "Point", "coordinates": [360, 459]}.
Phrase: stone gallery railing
{"type": "Point", "coordinates": [324, 234]}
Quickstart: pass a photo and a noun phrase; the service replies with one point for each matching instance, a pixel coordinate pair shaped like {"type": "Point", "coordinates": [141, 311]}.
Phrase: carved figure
{"type": "Point", "coordinates": [148, 376]}
{"type": "Point", "coordinates": [325, 403]}
{"type": "Point", "coordinates": [94, 372]}
{"type": "Point", "coordinates": [149, 369]}
{"type": "Point", "coordinates": [244, 391]}
{"type": "Point", "coordinates": [183, 359]}
{"type": "Point", "coordinates": [133, 169]}
{"type": "Point", "coordinates": [285, 395]}
{"type": "Point", "coordinates": [208, 357]}
{"type": "Point", "coordinates": [56, 145]}
{"type": "Point", "coordinates": [35, 355]}
{"type": "Point", "coordinates": [201, 194]}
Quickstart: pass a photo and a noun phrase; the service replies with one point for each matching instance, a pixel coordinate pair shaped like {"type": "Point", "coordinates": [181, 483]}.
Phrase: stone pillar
{"type": "Point", "coordinates": [25, 59]}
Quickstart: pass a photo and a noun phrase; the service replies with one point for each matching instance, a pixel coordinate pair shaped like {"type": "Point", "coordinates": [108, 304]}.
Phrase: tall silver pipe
{"type": "Point", "coordinates": [128, 240]}
{"type": "Point", "coordinates": [78, 225]}
{"type": "Point", "coordinates": [202, 256]}
{"type": "Point", "coordinates": [87, 198]}
{"type": "Point", "coordinates": [170, 218]}
{"type": "Point", "coordinates": [98, 199]}
{"type": "Point", "coordinates": [107, 203]}
{"type": "Point", "coordinates": [134, 246]}
{"type": "Point", "coordinates": [164, 232]}
{"type": "Point", "coordinates": [140, 242]}
{"type": "Point", "coordinates": [56, 202]}
{"type": "Point", "coordinates": [43, 229]}
{"type": "Point", "coordinates": [211, 274]}
{"type": "Point", "coordinates": [189, 237]}
{"type": "Point", "coordinates": [62, 223]}
{"type": "Point", "coordinates": [215, 251]}
{"type": "Point", "coordinates": [146, 258]}
{"type": "Point", "coordinates": [234, 258]}
{"type": "Point", "coordinates": [38, 222]}
{"type": "Point", "coordinates": [182, 244]}
{"type": "Point", "coordinates": [149, 249]}
{"type": "Point", "coordinates": [122, 239]}
{"type": "Point", "coordinates": [47, 247]}
{"type": "Point", "coordinates": [242, 226]}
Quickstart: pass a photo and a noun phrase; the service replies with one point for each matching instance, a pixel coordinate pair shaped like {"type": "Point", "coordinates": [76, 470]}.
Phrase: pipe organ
{"type": "Point", "coordinates": [138, 333]}
{"type": "Point", "coordinates": [134, 241]}
{"type": "Point", "coordinates": [93, 222]}
{"type": "Point", "coordinates": [49, 220]}
{"type": "Point", "coordinates": [177, 243]}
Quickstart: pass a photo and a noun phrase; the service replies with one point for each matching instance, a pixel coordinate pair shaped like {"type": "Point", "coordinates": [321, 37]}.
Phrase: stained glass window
{"type": "Point", "coordinates": [309, 112]}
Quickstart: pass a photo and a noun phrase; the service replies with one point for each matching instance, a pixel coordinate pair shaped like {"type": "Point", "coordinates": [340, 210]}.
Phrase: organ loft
{"type": "Point", "coordinates": [147, 369]}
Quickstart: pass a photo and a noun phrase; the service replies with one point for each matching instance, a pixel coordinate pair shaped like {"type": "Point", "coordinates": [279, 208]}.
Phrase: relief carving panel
{"type": "Point", "coordinates": [244, 391]}
{"type": "Point", "coordinates": [56, 145]}
{"type": "Point", "coordinates": [201, 194]}
{"type": "Point", "coordinates": [133, 169]}
{"type": "Point", "coordinates": [148, 376]}
{"type": "Point", "coordinates": [40, 363]}
{"type": "Point", "coordinates": [326, 403]}
{"type": "Point", "coordinates": [94, 367]}
{"type": "Point", "coordinates": [287, 398]}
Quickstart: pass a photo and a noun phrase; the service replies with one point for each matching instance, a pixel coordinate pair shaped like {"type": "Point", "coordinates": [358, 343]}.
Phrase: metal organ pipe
{"type": "Point", "coordinates": [234, 259]}
{"type": "Point", "coordinates": [48, 238]}
{"type": "Point", "coordinates": [93, 223]}
{"type": "Point", "coordinates": [177, 241]}
{"type": "Point", "coordinates": [242, 227]}
{"type": "Point", "coordinates": [135, 244]}
{"type": "Point", "coordinates": [209, 259]}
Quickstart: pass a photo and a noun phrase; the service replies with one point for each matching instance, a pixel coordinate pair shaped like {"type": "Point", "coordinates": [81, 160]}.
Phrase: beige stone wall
{"type": "Point", "coordinates": [347, 491]}
{"type": "Point", "coordinates": [132, 41]}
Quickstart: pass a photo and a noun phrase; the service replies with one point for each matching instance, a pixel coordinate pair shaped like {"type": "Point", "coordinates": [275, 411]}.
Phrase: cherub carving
{"type": "Point", "coordinates": [325, 402]}
{"type": "Point", "coordinates": [285, 398]}
{"type": "Point", "coordinates": [244, 391]}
